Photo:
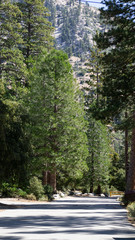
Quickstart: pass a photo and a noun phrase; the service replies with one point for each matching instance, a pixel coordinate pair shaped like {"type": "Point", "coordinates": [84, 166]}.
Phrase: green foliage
{"type": "Point", "coordinates": [45, 198]}
{"type": "Point", "coordinates": [118, 59]}
{"type": "Point", "coordinates": [15, 145]}
{"type": "Point", "coordinates": [36, 29]}
{"type": "Point", "coordinates": [118, 75]}
{"type": "Point", "coordinates": [85, 190]}
{"type": "Point", "coordinates": [105, 190]}
{"type": "Point", "coordinates": [12, 68]}
{"type": "Point", "coordinates": [58, 129]}
{"type": "Point", "coordinates": [98, 160]}
{"type": "Point", "coordinates": [131, 209]}
{"type": "Point", "coordinates": [36, 187]}
{"type": "Point", "coordinates": [43, 127]}
{"type": "Point", "coordinates": [117, 173]}
{"type": "Point", "coordinates": [8, 190]}
{"type": "Point", "coordinates": [68, 179]}
{"type": "Point", "coordinates": [5, 189]}
{"type": "Point", "coordinates": [48, 190]}
{"type": "Point", "coordinates": [31, 196]}
{"type": "Point", "coordinates": [124, 201]}
{"type": "Point", "coordinates": [10, 25]}
{"type": "Point", "coordinates": [51, 6]}
{"type": "Point", "coordinates": [17, 43]}
{"type": "Point", "coordinates": [94, 83]}
{"type": "Point", "coordinates": [21, 193]}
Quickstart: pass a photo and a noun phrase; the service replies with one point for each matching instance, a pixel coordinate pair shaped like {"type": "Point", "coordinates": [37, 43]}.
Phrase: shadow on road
{"type": "Point", "coordinates": [83, 217]}
{"type": "Point", "coordinates": [10, 238]}
{"type": "Point", "coordinates": [124, 238]}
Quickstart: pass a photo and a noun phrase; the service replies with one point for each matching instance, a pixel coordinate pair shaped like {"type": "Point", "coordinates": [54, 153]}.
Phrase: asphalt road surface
{"type": "Point", "coordinates": [71, 218]}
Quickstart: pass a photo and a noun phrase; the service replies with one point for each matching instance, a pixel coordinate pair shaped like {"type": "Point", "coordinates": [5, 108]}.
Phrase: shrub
{"type": "Point", "coordinates": [8, 190]}
{"type": "Point", "coordinates": [112, 188]}
{"type": "Point", "coordinates": [85, 190]}
{"type": "Point", "coordinates": [21, 193]}
{"type": "Point", "coordinates": [105, 190]}
{"type": "Point", "coordinates": [44, 198]}
{"type": "Point", "coordinates": [31, 196]}
{"type": "Point", "coordinates": [48, 190]}
{"type": "Point", "coordinates": [36, 187]}
{"type": "Point", "coordinates": [124, 201]}
{"type": "Point", "coordinates": [131, 209]}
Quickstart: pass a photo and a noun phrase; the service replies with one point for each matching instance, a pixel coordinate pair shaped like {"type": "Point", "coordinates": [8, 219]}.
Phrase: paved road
{"type": "Point", "coordinates": [67, 219]}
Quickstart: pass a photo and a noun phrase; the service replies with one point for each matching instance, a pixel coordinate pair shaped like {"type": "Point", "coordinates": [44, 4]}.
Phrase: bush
{"type": "Point", "coordinates": [6, 190]}
{"type": "Point", "coordinates": [12, 191]}
{"type": "Point", "coordinates": [31, 196]}
{"type": "Point", "coordinates": [112, 188]}
{"type": "Point", "coordinates": [21, 193]}
{"type": "Point", "coordinates": [106, 190]}
{"type": "Point", "coordinates": [85, 190]}
{"type": "Point", "coordinates": [36, 187]}
{"type": "Point", "coordinates": [48, 190]}
{"type": "Point", "coordinates": [124, 201]}
{"type": "Point", "coordinates": [131, 209]}
{"type": "Point", "coordinates": [44, 198]}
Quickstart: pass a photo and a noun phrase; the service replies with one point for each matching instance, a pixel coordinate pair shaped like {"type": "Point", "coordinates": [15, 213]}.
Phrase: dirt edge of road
{"type": "Point", "coordinates": [13, 203]}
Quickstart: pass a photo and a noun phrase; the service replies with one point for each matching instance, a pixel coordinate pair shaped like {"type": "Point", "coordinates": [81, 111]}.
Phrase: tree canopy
{"type": "Point", "coordinates": [59, 131]}
{"type": "Point", "coordinates": [36, 30]}
{"type": "Point", "coordinates": [46, 131]}
{"type": "Point", "coordinates": [117, 44]}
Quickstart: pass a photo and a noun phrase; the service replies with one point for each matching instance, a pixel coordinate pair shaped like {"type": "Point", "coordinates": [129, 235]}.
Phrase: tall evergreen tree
{"type": "Point", "coordinates": [98, 160]}
{"type": "Point", "coordinates": [98, 140]}
{"type": "Point", "coordinates": [36, 29]}
{"type": "Point", "coordinates": [12, 67]}
{"type": "Point", "coordinates": [58, 130]}
{"type": "Point", "coordinates": [13, 143]}
{"type": "Point", "coordinates": [93, 84]}
{"type": "Point", "coordinates": [119, 72]}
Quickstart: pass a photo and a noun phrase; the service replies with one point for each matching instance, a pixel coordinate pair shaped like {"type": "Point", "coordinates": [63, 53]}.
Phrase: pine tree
{"type": "Point", "coordinates": [94, 83]}
{"type": "Point", "coordinates": [98, 160]}
{"type": "Point", "coordinates": [117, 173]}
{"type": "Point", "coordinates": [12, 67]}
{"type": "Point", "coordinates": [58, 129]}
{"type": "Point", "coordinates": [119, 71]}
{"type": "Point", "coordinates": [36, 29]}
{"type": "Point", "coordinates": [97, 133]}
{"type": "Point", "coordinates": [13, 142]}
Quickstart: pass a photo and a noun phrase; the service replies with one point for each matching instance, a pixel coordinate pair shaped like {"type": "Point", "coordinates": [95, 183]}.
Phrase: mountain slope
{"type": "Point", "coordinates": [75, 25]}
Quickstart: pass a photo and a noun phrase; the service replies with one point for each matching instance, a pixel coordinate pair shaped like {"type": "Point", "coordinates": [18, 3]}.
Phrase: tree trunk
{"type": "Point", "coordinates": [131, 173]}
{"type": "Point", "coordinates": [126, 153]}
{"type": "Point", "coordinates": [44, 178]}
{"type": "Point", "coordinates": [126, 150]}
{"type": "Point", "coordinates": [92, 174]}
{"type": "Point", "coordinates": [53, 180]}
{"type": "Point", "coordinates": [49, 177]}
{"type": "Point", "coordinates": [99, 190]}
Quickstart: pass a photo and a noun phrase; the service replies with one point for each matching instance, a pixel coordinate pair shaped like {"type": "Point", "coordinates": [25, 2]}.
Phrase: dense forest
{"type": "Point", "coordinates": [75, 25]}
{"type": "Point", "coordinates": [53, 135]}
